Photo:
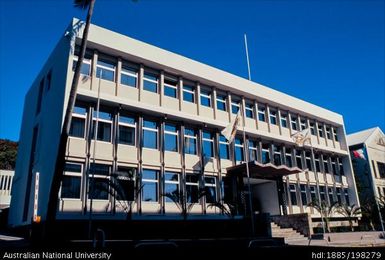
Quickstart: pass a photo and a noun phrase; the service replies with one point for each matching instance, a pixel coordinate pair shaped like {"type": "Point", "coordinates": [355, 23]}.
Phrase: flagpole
{"type": "Point", "coordinates": [246, 154]}
{"type": "Point", "coordinates": [247, 57]}
{"type": "Point", "coordinates": [312, 155]}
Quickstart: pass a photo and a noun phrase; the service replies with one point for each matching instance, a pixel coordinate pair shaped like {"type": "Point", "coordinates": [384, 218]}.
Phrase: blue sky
{"type": "Point", "coordinates": [327, 52]}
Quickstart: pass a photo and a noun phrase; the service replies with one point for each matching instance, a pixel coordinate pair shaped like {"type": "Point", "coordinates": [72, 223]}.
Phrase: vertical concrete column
{"type": "Point", "coordinates": [332, 135]}
{"type": "Point", "coordinates": [267, 114]}
{"type": "Point", "coordinates": [229, 105]}
{"type": "Point", "coordinates": [140, 79]}
{"type": "Point", "coordinates": [325, 135]}
{"type": "Point", "coordinates": [317, 131]}
{"type": "Point", "coordinates": [255, 112]}
{"type": "Point", "coordinates": [118, 75]}
{"type": "Point", "coordinates": [214, 101]}
{"type": "Point", "coordinates": [243, 109]}
{"type": "Point", "coordinates": [162, 165]}
{"type": "Point", "coordinates": [161, 87]}
{"type": "Point", "coordinates": [198, 96]}
{"type": "Point", "coordinates": [289, 123]}
{"type": "Point", "coordinates": [279, 120]}
{"type": "Point", "coordinates": [180, 92]}
{"type": "Point", "coordinates": [94, 83]}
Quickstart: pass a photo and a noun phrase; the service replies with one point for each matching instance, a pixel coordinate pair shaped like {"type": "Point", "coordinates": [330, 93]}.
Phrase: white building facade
{"type": "Point", "coordinates": [159, 119]}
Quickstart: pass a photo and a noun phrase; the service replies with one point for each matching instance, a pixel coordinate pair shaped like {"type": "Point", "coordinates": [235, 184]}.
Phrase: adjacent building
{"type": "Point", "coordinates": [158, 125]}
{"type": "Point", "coordinates": [367, 149]}
{"type": "Point", "coordinates": [6, 178]}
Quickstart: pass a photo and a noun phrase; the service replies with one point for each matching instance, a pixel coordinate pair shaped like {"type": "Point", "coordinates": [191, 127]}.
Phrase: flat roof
{"type": "Point", "coordinates": [123, 46]}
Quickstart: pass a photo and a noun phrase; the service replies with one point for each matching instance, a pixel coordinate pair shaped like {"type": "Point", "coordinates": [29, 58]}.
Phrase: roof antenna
{"type": "Point", "coordinates": [247, 57]}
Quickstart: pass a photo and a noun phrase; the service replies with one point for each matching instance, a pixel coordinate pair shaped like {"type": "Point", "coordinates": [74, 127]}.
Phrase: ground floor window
{"type": "Point", "coordinates": [71, 183]}
{"type": "Point", "coordinates": [150, 185]}
{"type": "Point", "coordinates": [211, 189]}
{"type": "Point", "coordinates": [293, 195]}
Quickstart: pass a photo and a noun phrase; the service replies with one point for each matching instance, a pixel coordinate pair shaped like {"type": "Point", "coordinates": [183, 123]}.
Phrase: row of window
{"type": "Point", "coordinates": [173, 135]}
{"type": "Point", "coordinates": [150, 180]}
{"type": "Point", "coordinates": [305, 194]}
{"type": "Point", "coordinates": [129, 74]}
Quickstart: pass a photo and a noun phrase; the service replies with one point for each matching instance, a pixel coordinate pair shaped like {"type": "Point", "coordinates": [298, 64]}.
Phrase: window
{"type": "Point", "coordinates": [293, 194]}
{"type": "Point", "coordinates": [334, 167]}
{"type": "Point", "coordinates": [171, 185]}
{"type": "Point", "coordinates": [103, 120]}
{"type": "Point", "coordinates": [381, 169]}
{"type": "Point", "coordinates": [40, 96]}
{"type": "Point", "coordinates": [85, 68]}
{"type": "Point", "coordinates": [341, 167]}
{"type": "Point", "coordinates": [71, 183]}
{"type": "Point", "coordinates": [170, 138]}
{"type": "Point", "coordinates": [127, 126]}
{"type": "Point", "coordinates": [288, 158]}
{"type": "Point", "coordinates": [328, 133]}
{"type": "Point", "coordinates": [170, 87]}
{"type": "Point", "coordinates": [326, 164]}
{"type": "Point", "coordinates": [150, 82]}
{"type": "Point", "coordinates": [331, 197]}
{"type": "Point", "coordinates": [303, 124]}
{"type": "Point", "coordinates": [78, 122]}
{"type": "Point", "coordinates": [308, 161]}
{"type": "Point", "coordinates": [150, 185]}
{"type": "Point", "coordinates": [235, 105]}
{"type": "Point", "coordinates": [277, 155]}
{"type": "Point", "coordinates": [49, 80]}
{"type": "Point", "coordinates": [150, 134]}
{"type": "Point", "coordinates": [317, 162]}
{"type": "Point", "coordinates": [294, 123]}
{"type": "Point", "coordinates": [129, 76]}
{"type": "Point", "coordinates": [221, 102]}
{"type": "Point", "coordinates": [312, 128]}
{"type": "Point", "coordinates": [273, 117]}
{"type": "Point", "coordinates": [346, 193]}
{"type": "Point", "coordinates": [189, 93]}
{"type": "Point", "coordinates": [284, 120]}
{"type": "Point", "coordinates": [265, 153]}
{"type": "Point", "coordinates": [238, 150]}
{"type": "Point", "coordinates": [313, 193]}
{"type": "Point", "coordinates": [339, 198]}
{"type": "Point", "coordinates": [208, 144]}
{"type": "Point", "coordinates": [211, 189]}
{"type": "Point", "coordinates": [320, 131]}
{"type": "Point", "coordinates": [190, 141]}
{"type": "Point", "coordinates": [99, 184]}
{"type": "Point", "coordinates": [253, 150]}
{"type": "Point", "coordinates": [322, 193]}
{"type": "Point", "coordinates": [298, 158]}
{"type": "Point", "coordinates": [205, 98]}
{"type": "Point", "coordinates": [261, 113]}
{"type": "Point", "coordinates": [335, 134]}
{"type": "Point", "coordinates": [105, 70]}
{"type": "Point", "coordinates": [303, 194]}
{"type": "Point", "coordinates": [249, 110]}
{"type": "Point", "coordinates": [126, 183]}
{"type": "Point", "coordinates": [192, 188]}
{"type": "Point", "coordinates": [224, 148]}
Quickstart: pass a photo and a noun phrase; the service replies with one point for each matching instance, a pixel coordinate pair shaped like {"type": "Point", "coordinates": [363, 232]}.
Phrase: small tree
{"type": "Point", "coordinates": [125, 195]}
{"type": "Point", "coordinates": [227, 208]}
{"type": "Point", "coordinates": [181, 200]}
{"type": "Point", "coordinates": [326, 211]}
{"type": "Point", "coordinates": [369, 212]}
{"type": "Point", "coordinates": [349, 212]}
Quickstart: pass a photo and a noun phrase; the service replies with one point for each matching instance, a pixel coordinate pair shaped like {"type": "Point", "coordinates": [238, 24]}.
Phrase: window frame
{"type": "Point", "coordinates": [222, 101]}
{"type": "Point", "coordinates": [96, 116]}
{"type": "Point", "coordinates": [150, 73]}
{"type": "Point", "coordinates": [204, 139]}
{"type": "Point", "coordinates": [187, 136]}
{"type": "Point", "coordinates": [273, 117]}
{"type": "Point", "coordinates": [205, 94]}
{"type": "Point", "coordinates": [174, 134]}
{"type": "Point", "coordinates": [156, 180]}
{"type": "Point", "coordinates": [103, 67]}
{"type": "Point", "coordinates": [128, 71]}
{"type": "Point", "coordinates": [129, 125]}
{"type": "Point", "coordinates": [171, 182]}
{"type": "Point", "coordinates": [73, 174]}
{"type": "Point", "coordinates": [227, 145]}
{"type": "Point", "coordinates": [93, 175]}
{"type": "Point", "coordinates": [189, 92]}
{"type": "Point", "coordinates": [261, 113]}
{"type": "Point", "coordinates": [168, 84]}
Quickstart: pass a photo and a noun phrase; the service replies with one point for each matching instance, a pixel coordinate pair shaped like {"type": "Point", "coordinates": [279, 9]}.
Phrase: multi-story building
{"type": "Point", "coordinates": [6, 178]}
{"type": "Point", "coordinates": [368, 158]}
{"type": "Point", "coordinates": [160, 117]}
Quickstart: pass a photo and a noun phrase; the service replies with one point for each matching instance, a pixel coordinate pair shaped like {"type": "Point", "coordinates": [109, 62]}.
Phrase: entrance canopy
{"type": "Point", "coordinates": [262, 171]}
